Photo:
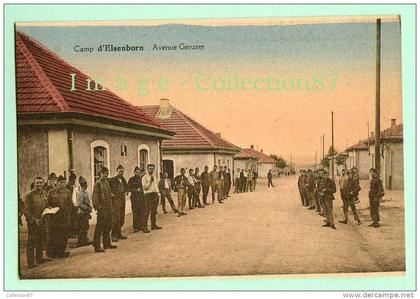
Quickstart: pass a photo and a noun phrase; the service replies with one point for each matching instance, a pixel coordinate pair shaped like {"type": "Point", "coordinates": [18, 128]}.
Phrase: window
{"type": "Point", "coordinates": [124, 150]}
{"type": "Point", "coordinates": [143, 156]}
{"type": "Point", "coordinates": [99, 158]}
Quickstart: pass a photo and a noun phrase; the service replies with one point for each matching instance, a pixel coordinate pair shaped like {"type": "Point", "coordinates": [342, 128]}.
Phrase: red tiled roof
{"type": "Point", "coordinates": [189, 133]}
{"type": "Point", "coordinates": [262, 158]}
{"type": "Point", "coordinates": [360, 146]}
{"type": "Point", "coordinates": [395, 133]}
{"type": "Point", "coordinates": [245, 154]}
{"type": "Point", "coordinates": [43, 83]}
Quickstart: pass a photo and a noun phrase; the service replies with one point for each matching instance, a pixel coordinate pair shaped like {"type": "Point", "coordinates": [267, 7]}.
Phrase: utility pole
{"type": "Point", "coordinates": [378, 99]}
{"type": "Point", "coordinates": [332, 146]}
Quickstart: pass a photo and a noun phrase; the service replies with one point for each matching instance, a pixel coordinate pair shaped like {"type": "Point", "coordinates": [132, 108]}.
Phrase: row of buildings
{"type": "Point", "coordinates": [60, 130]}
{"type": "Point", "coordinates": [362, 156]}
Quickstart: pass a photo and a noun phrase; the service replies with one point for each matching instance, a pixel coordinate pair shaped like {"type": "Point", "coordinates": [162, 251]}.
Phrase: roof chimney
{"type": "Point", "coordinates": [252, 146]}
{"type": "Point", "coordinates": [393, 122]}
{"type": "Point", "coordinates": [261, 150]}
{"type": "Point", "coordinates": [164, 103]}
{"type": "Point", "coordinates": [219, 135]}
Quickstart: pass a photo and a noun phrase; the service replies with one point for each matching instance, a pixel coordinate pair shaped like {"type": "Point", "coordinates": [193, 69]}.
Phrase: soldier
{"type": "Point", "coordinates": [151, 191]}
{"type": "Point", "coordinates": [301, 187]}
{"type": "Point", "coordinates": [59, 223]}
{"type": "Point", "coordinates": [119, 189]}
{"type": "Point", "coordinates": [214, 176]}
{"type": "Point", "coordinates": [51, 182]}
{"type": "Point", "coordinates": [342, 182]}
{"type": "Point", "coordinates": [181, 183]}
{"type": "Point", "coordinates": [228, 181]}
{"type": "Point", "coordinates": [254, 179]}
{"type": "Point", "coordinates": [348, 195]}
{"type": "Point", "coordinates": [83, 211]}
{"type": "Point", "coordinates": [305, 192]}
{"type": "Point", "coordinates": [310, 189]}
{"type": "Point", "coordinates": [205, 184]}
{"type": "Point", "coordinates": [355, 173]}
{"type": "Point", "coordinates": [222, 180]}
{"type": "Point", "coordinates": [270, 179]}
{"type": "Point", "coordinates": [250, 178]}
{"type": "Point", "coordinates": [238, 181]}
{"type": "Point", "coordinates": [197, 186]}
{"type": "Point", "coordinates": [376, 192]}
{"type": "Point", "coordinates": [328, 188]}
{"type": "Point", "coordinates": [192, 191]}
{"type": "Point", "coordinates": [243, 181]}
{"type": "Point", "coordinates": [136, 197]}
{"type": "Point", "coordinates": [102, 203]}
{"type": "Point", "coordinates": [165, 187]}
{"type": "Point", "coordinates": [318, 177]}
{"type": "Point", "coordinates": [35, 203]}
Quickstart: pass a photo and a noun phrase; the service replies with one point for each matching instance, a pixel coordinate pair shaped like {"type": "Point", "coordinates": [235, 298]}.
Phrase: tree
{"type": "Point", "coordinates": [280, 161]}
{"type": "Point", "coordinates": [325, 161]}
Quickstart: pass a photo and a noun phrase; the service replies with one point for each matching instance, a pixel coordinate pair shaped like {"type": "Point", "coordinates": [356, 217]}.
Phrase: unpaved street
{"type": "Point", "coordinates": [263, 232]}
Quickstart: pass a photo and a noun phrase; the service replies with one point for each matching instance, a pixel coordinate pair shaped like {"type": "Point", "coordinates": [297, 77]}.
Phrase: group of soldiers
{"type": "Point", "coordinates": [245, 180]}
{"type": "Point", "coordinates": [56, 210]}
{"type": "Point", "coordinates": [317, 193]}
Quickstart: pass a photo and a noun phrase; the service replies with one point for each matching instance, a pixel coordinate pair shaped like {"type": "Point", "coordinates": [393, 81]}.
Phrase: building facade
{"type": "Point", "coordinates": [359, 157]}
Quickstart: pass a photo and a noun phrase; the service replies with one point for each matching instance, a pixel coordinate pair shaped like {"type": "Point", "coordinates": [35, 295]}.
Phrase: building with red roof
{"type": "Point", "coordinates": [246, 160]}
{"type": "Point", "coordinates": [194, 145]}
{"type": "Point", "coordinates": [264, 162]}
{"type": "Point", "coordinates": [63, 125]}
{"type": "Point", "coordinates": [358, 156]}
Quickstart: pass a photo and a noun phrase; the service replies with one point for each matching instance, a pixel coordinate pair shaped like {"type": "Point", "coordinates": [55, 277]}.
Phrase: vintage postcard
{"type": "Point", "coordinates": [210, 148]}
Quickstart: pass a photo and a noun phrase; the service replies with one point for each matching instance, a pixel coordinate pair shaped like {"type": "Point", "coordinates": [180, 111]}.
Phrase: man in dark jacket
{"type": "Point", "coordinates": [205, 184]}
{"type": "Point", "coordinates": [376, 192]}
{"type": "Point", "coordinates": [228, 181]}
{"type": "Point", "coordinates": [301, 186]}
{"type": "Point", "coordinates": [119, 189]}
{"type": "Point", "coordinates": [60, 222]}
{"type": "Point", "coordinates": [349, 191]}
{"type": "Point", "coordinates": [102, 203]}
{"type": "Point", "coordinates": [328, 188]}
{"type": "Point", "coordinates": [165, 187]}
{"type": "Point", "coordinates": [35, 203]}
{"type": "Point", "coordinates": [136, 196]}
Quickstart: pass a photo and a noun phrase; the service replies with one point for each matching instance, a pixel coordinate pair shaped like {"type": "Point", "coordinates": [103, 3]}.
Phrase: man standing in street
{"type": "Point", "coordinates": [214, 177]}
{"type": "Point", "coordinates": [328, 188]}
{"type": "Point", "coordinates": [342, 182]}
{"type": "Point", "coordinates": [310, 187]}
{"type": "Point", "coordinates": [376, 192]}
{"type": "Point", "coordinates": [59, 223]}
{"type": "Point", "coordinates": [136, 197]}
{"type": "Point", "coordinates": [35, 203]}
{"type": "Point", "coordinates": [102, 203]}
{"type": "Point", "coordinates": [197, 178]}
{"type": "Point", "coordinates": [250, 178]}
{"type": "Point", "coordinates": [301, 187]}
{"type": "Point", "coordinates": [119, 189]}
{"type": "Point", "coordinates": [270, 179]}
{"type": "Point", "coordinates": [237, 180]}
{"type": "Point", "coordinates": [151, 191]}
{"type": "Point", "coordinates": [243, 181]}
{"type": "Point", "coordinates": [165, 187]}
{"type": "Point", "coordinates": [181, 183]}
{"type": "Point", "coordinates": [228, 181]}
{"type": "Point", "coordinates": [349, 192]}
{"type": "Point", "coordinates": [205, 184]}
{"type": "Point", "coordinates": [254, 179]}
{"type": "Point", "coordinates": [84, 208]}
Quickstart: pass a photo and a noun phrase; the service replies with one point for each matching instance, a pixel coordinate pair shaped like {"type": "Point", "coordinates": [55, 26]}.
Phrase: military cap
{"type": "Point", "coordinates": [104, 169]}
{"type": "Point", "coordinates": [81, 179]}
{"type": "Point", "coordinates": [136, 168]}
{"type": "Point", "coordinates": [52, 176]}
{"type": "Point", "coordinates": [120, 167]}
{"type": "Point", "coordinates": [61, 178]}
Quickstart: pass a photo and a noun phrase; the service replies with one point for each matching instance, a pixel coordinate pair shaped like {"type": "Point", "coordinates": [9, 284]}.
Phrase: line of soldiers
{"type": "Point", "coordinates": [245, 180]}
{"type": "Point", "coordinates": [53, 216]}
{"type": "Point", "coordinates": [317, 191]}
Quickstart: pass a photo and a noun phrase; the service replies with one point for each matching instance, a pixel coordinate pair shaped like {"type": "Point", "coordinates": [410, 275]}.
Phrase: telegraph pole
{"type": "Point", "coordinates": [332, 145]}
{"type": "Point", "coordinates": [378, 99]}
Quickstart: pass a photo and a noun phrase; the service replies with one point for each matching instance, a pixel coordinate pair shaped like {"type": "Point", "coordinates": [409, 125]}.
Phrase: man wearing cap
{"type": "Point", "coordinates": [136, 197]}
{"type": "Point", "coordinates": [197, 186]}
{"type": "Point", "coordinates": [84, 209]}
{"type": "Point", "coordinates": [50, 183]}
{"type": "Point", "coordinates": [35, 203]}
{"type": "Point", "coordinates": [238, 181]}
{"type": "Point", "coordinates": [151, 191]}
{"type": "Point", "coordinates": [349, 192]}
{"type": "Point", "coordinates": [60, 222]}
{"type": "Point", "coordinates": [165, 187]}
{"type": "Point", "coordinates": [228, 181]}
{"type": "Point", "coordinates": [328, 188]}
{"type": "Point", "coordinates": [270, 179]}
{"type": "Point", "coordinates": [181, 183]}
{"type": "Point", "coordinates": [119, 189]}
{"type": "Point", "coordinates": [205, 184]}
{"type": "Point", "coordinates": [300, 187]}
{"type": "Point", "coordinates": [214, 177]}
{"type": "Point", "coordinates": [102, 203]}
{"type": "Point", "coordinates": [376, 192]}
{"type": "Point", "coordinates": [310, 189]}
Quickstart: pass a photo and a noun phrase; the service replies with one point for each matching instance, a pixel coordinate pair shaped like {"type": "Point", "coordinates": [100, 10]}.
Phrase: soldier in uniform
{"type": "Point", "coordinates": [222, 180]}
{"type": "Point", "coordinates": [214, 177]}
{"type": "Point", "coordinates": [301, 187]}
{"type": "Point", "coordinates": [181, 183]}
{"type": "Point", "coordinates": [119, 189]}
{"type": "Point", "coordinates": [376, 192]}
{"type": "Point", "coordinates": [35, 203]}
{"type": "Point", "coordinates": [310, 189]}
{"type": "Point", "coordinates": [318, 177]}
{"type": "Point", "coordinates": [228, 181]}
{"type": "Point", "coordinates": [197, 186]}
{"type": "Point", "coordinates": [136, 196]}
{"type": "Point", "coordinates": [238, 181]}
{"type": "Point", "coordinates": [84, 209]}
{"type": "Point", "coordinates": [254, 179]}
{"type": "Point", "coordinates": [328, 188]}
{"type": "Point", "coordinates": [349, 191]}
{"type": "Point", "coordinates": [102, 203]}
{"type": "Point", "coordinates": [165, 187]}
{"type": "Point", "coordinates": [270, 179]}
{"type": "Point", "coordinates": [250, 178]}
{"type": "Point", "coordinates": [205, 184]}
{"type": "Point", "coordinates": [60, 222]}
